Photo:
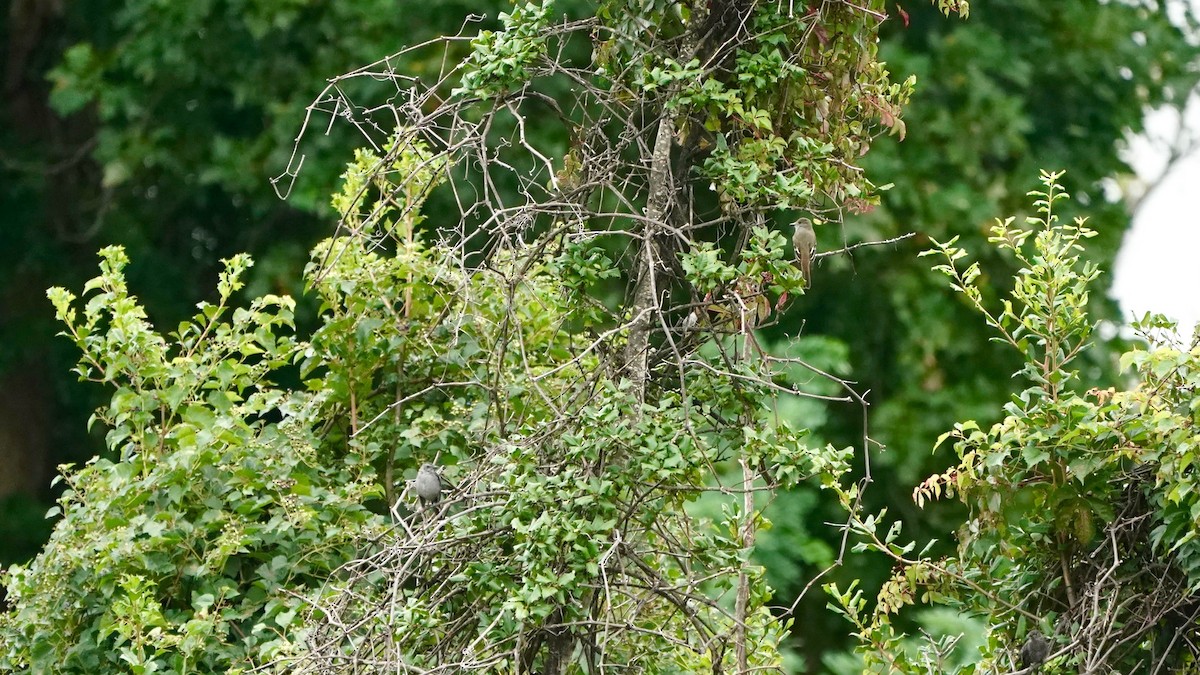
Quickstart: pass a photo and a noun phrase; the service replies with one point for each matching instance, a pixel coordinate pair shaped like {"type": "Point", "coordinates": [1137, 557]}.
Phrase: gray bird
{"type": "Point", "coordinates": [1035, 650]}
{"type": "Point", "coordinates": [428, 484]}
{"type": "Point", "coordinates": [805, 242]}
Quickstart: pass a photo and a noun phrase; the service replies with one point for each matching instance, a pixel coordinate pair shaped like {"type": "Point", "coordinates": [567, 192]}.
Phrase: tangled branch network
{"type": "Point", "coordinates": [615, 419]}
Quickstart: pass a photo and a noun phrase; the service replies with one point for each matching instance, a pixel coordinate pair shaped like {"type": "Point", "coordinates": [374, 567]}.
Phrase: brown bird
{"type": "Point", "coordinates": [805, 242]}
{"type": "Point", "coordinates": [1034, 651]}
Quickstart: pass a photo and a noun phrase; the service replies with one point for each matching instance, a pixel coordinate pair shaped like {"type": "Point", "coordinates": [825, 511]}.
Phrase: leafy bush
{"type": "Point", "coordinates": [190, 548]}
{"type": "Point", "coordinates": [1082, 504]}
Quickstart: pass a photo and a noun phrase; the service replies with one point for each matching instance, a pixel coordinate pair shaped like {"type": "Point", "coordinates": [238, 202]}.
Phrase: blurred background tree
{"type": "Point", "coordinates": [160, 126]}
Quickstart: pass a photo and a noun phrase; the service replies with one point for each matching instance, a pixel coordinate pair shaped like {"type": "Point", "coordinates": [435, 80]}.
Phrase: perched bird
{"type": "Point", "coordinates": [1035, 650]}
{"type": "Point", "coordinates": [805, 242]}
{"type": "Point", "coordinates": [690, 321]}
{"type": "Point", "coordinates": [428, 484]}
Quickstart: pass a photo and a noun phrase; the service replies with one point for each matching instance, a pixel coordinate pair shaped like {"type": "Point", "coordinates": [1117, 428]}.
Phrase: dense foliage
{"type": "Point", "coordinates": [627, 169]}
{"type": "Point", "coordinates": [571, 497]}
{"type": "Point", "coordinates": [576, 429]}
